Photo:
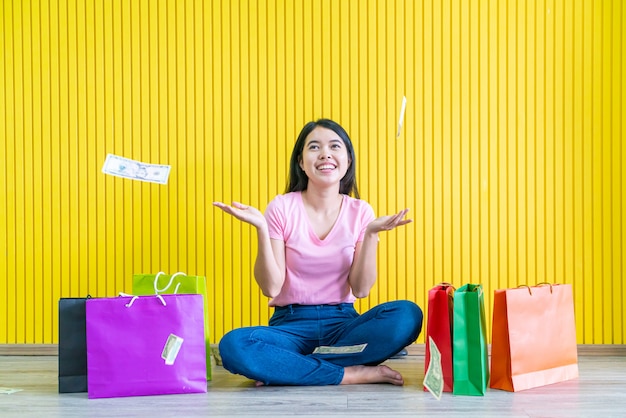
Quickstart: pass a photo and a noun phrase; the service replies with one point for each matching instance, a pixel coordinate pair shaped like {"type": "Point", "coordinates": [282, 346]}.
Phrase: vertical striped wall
{"type": "Point", "coordinates": [510, 157]}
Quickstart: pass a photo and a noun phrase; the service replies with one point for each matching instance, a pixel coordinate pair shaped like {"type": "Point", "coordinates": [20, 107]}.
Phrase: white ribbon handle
{"type": "Point", "coordinates": [134, 298]}
{"type": "Point", "coordinates": [156, 281]}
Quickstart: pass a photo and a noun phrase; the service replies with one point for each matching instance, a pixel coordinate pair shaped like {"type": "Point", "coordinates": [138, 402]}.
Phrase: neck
{"type": "Point", "coordinates": [322, 200]}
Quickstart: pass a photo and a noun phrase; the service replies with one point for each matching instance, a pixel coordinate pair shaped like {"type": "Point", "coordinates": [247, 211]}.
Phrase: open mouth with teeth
{"type": "Point", "coordinates": [326, 167]}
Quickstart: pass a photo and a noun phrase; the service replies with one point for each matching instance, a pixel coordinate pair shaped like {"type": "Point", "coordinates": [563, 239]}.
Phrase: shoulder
{"type": "Point", "coordinates": [285, 204]}
{"type": "Point", "coordinates": [357, 204]}
{"type": "Point", "coordinates": [281, 213]}
{"type": "Point", "coordinates": [284, 200]}
{"type": "Point", "coordinates": [358, 207]}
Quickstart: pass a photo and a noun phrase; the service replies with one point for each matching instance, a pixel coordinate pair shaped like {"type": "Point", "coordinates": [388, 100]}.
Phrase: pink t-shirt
{"type": "Point", "coordinates": [316, 270]}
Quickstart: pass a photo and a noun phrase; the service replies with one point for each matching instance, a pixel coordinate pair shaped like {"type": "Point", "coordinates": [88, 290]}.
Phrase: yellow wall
{"type": "Point", "coordinates": [510, 157]}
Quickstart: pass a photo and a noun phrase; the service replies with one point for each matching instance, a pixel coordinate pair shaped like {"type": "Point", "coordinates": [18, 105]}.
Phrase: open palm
{"type": "Point", "coordinates": [248, 214]}
{"type": "Point", "coordinates": [387, 223]}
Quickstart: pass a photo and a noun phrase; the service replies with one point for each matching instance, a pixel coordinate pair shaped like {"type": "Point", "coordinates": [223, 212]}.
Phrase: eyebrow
{"type": "Point", "coordinates": [332, 141]}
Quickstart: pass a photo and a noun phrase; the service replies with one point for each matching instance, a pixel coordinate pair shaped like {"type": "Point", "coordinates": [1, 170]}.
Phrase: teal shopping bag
{"type": "Point", "coordinates": [178, 283]}
{"type": "Point", "coordinates": [471, 358]}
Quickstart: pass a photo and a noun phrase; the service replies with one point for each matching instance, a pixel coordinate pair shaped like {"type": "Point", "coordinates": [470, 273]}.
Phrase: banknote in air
{"type": "Point", "coordinates": [115, 165]}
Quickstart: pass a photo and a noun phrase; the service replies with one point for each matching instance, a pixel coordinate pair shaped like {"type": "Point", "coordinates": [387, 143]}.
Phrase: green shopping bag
{"type": "Point", "coordinates": [470, 356]}
{"type": "Point", "coordinates": [178, 283]}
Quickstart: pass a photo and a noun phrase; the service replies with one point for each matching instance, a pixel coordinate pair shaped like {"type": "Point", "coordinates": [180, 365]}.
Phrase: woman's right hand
{"type": "Point", "coordinates": [244, 213]}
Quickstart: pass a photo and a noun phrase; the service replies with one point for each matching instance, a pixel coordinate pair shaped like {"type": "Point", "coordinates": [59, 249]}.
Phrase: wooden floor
{"type": "Point", "coordinates": [600, 391]}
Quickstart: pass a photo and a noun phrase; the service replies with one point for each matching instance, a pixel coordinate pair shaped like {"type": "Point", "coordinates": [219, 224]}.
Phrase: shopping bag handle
{"type": "Point", "coordinates": [134, 298]}
{"type": "Point", "coordinates": [545, 283]}
{"type": "Point", "coordinates": [446, 284]}
{"type": "Point", "coordinates": [156, 282]}
{"type": "Point", "coordinates": [479, 288]}
{"type": "Point", "coordinates": [538, 284]}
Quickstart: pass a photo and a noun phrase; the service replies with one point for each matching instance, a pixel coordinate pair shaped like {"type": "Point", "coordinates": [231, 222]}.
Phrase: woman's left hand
{"type": "Point", "coordinates": [387, 223]}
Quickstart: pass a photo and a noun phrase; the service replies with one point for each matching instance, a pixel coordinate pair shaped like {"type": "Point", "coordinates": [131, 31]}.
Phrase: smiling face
{"type": "Point", "coordinates": [324, 157]}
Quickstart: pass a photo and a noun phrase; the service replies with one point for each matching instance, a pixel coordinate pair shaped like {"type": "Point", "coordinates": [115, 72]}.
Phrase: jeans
{"type": "Point", "coordinates": [282, 353]}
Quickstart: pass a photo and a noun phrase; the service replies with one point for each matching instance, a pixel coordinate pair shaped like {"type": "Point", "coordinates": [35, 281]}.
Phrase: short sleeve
{"type": "Point", "coordinates": [275, 217]}
{"type": "Point", "coordinates": [367, 216]}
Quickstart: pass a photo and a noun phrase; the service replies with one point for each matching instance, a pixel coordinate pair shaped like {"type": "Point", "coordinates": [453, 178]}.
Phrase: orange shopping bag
{"type": "Point", "coordinates": [533, 337]}
{"type": "Point", "coordinates": [439, 327]}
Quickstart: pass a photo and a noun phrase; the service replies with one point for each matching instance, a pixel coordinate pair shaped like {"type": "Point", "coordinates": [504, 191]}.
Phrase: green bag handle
{"type": "Point", "coordinates": [156, 282]}
{"type": "Point", "coordinates": [476, 288]}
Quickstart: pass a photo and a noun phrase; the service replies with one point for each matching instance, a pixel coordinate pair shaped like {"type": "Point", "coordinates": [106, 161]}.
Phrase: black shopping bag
{"type": "Point", "coordinates": [72, 345]}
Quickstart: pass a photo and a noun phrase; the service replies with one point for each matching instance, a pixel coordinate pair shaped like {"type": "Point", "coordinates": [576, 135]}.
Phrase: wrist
{"type": "Point", "coordinates": [262, 229]}
{"type": "Point", "coordinates": [370, 235]}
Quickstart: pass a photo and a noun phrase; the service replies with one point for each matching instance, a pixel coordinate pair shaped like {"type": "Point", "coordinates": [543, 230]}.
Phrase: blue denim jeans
{"type": "Point", "coordinates": [282, 353]}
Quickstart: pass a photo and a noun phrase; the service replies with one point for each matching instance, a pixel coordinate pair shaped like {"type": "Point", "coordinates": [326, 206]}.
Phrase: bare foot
{"type": "Point", "coordinates": [371, 374]}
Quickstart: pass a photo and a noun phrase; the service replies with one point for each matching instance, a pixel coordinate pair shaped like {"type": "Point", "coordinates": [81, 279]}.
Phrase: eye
{"type": "Point", "coordinates": [313, 147]}
{"type": "Point", "coordinates": [336, 146]}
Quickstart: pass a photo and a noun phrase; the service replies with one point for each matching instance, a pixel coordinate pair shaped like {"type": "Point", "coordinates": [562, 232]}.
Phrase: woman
{"type": "Point", "coordinates": [316, 255]}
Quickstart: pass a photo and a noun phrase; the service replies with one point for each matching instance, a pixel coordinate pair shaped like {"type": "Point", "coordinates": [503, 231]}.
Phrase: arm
{"type": "Point", "coordinates": [363, 271]}
{"type": "Point", "coordinates": [269, 267]}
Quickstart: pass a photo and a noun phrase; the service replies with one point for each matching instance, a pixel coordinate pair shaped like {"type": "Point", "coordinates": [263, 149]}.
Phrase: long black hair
{"type": "Point", "coordinates": [298, 180]}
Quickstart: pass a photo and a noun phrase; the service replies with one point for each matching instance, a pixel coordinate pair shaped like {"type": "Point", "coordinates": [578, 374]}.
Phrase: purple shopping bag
{"type": "Point", "coordinates": [145, 345]}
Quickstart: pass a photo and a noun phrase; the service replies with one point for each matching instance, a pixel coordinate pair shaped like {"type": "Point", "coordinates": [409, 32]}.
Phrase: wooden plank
{"type": "Point", "coordinates": [230, 395]}
{"type": "Point", "coordinates": [612, 350]}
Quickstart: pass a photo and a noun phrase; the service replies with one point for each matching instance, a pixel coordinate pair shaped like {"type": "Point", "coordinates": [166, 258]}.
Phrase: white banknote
{"type": "Point", "coordinates": [171, 349]}
{"type": "Point", "coordinates": [8, 391]}
{"type": "Point", "coordinates": [433, 380]}
{"type": "Point", "coordinates": [347, 349]}
{"type": "Point", "coordinates": [135, 170]}
{"type": "Point", "coordinates": [401, 118]}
